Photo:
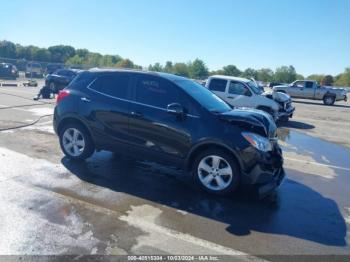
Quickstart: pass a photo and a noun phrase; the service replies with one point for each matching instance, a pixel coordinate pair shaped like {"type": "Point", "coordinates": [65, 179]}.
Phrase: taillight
{"type": "Point", "coordinates": [62, 94]}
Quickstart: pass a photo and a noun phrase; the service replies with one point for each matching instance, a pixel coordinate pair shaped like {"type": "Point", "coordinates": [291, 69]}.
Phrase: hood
{"type": "Point", "coordinates": [252, 119]}
{"type": "Point", "coordinates": [277, 96]}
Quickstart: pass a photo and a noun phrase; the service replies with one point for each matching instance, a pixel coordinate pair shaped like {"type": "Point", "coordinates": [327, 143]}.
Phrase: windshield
{"type": "Point", "coordinates": [254, 87]}
{"type": "Point", "coordinates": [203, 96]}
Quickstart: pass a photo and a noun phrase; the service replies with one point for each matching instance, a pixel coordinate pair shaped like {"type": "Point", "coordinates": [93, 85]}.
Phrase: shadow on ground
{"type": "Point", "coordinates": [300, 212]}
{"type": "Point", "coordinates": [296, 124]}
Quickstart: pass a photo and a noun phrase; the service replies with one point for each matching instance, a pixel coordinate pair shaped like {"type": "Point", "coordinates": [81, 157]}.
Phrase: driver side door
{"type": "Point", "coordinates": [239, 95]}
{"type": "Point", "coordinates": [297, 89]}
{"type": "Point", "coordinates": [155, 133]}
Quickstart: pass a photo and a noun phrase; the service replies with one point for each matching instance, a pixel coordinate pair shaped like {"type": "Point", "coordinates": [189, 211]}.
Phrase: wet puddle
{"type": "Point", "coordinates": [321, 151]}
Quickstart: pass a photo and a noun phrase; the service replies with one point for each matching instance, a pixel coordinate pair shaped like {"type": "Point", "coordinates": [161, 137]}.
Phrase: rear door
{"type": "Point", "coordinates": [106, 106]}
{"type": "Point", "coordinates": [157, 134]}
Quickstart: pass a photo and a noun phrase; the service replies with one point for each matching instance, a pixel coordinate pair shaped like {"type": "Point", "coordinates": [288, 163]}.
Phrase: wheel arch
{"type": "Point", "coordinates": [210, 145]}
{"type": "Point", "coordinates": [329, 94]}
{"type": "Point", "coordinates": [72, 119]}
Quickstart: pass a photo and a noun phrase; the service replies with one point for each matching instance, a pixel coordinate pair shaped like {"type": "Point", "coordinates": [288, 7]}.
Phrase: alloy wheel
{"type": "Point", "coordinates": [215, 173]}
{"type": "Point", "coordinates": [73, 142]}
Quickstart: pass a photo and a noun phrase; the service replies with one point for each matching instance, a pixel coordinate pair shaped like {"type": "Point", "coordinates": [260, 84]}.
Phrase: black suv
{"type": "Point", "coordinates": [171, 120]}
{"type": "Point", "coordinates": [60, 79]}
{"type": "Point", "coordinates": [8, 71]}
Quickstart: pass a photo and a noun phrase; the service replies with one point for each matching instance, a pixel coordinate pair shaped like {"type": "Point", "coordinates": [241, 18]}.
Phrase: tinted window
{"type": "Point", "coordinates": [203, 96]}
{"type": "Point", "coordinates": [59, 72]}
{"type": "Point", "coordinates": [82, 80]}
{"type": "Point", "coordinates": [309, 84]}
{"type": "Point", "coordinates": [237, 88]}
{"type": "Point", "coordinates": [218, 85]}
{"type": "Point", "coordinates": [65, 72]}
{"type": "Point", "coordinates": [155, 91]}
{"type": "Point", "coordinates": [115, 85]}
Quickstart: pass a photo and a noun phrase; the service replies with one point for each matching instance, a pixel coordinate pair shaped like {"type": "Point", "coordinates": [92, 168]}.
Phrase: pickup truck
{"type": "Point", "coordinates": [309, 89]}
{"type": "Point", "coordinates": [242, 92]}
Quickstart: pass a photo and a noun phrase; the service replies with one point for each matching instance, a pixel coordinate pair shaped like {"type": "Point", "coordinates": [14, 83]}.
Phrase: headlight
{"type": "Point", "coordinates": [259, 142]}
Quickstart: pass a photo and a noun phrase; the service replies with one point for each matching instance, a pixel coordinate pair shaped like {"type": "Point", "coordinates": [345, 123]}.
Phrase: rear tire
{"type": "Point", "coordinates": [216, 172]}
{"type": "Point", "coordinates": [76, 142]}
{"type": "Point", "coordinates": [328, 100]}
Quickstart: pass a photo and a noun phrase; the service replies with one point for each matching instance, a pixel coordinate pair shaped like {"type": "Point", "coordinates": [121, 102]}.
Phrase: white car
{"type": "Point", "coordinates": [242, 92]}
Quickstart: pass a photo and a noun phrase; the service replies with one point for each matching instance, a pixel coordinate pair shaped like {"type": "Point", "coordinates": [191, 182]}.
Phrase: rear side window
{"type": "Point", "coordinates": [115, 85]}
{"type": "Point", "coordinates": [155, 91]}
{"type": "Point", "coordinates": [82, 80]}
{"type": "Point", "coordinates": [309, 84]}
{"type": "Point", "coordinates": [218, 85]}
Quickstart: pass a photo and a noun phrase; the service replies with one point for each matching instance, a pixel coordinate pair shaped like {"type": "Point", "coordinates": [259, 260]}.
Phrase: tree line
{"type": "Point", "coordinates": [63, 54]}
{"type": "Point", "coordinates": [196, 69]}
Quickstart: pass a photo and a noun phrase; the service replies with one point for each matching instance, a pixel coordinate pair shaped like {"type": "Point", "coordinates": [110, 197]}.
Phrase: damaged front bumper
{"type": "Point", "coordinates": [286, 113]}
{"type": "Point", "coordinates": [267, 174]}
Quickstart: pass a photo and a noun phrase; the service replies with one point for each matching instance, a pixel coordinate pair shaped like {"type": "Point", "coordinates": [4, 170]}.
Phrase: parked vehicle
{"type": "Point", "coordinates": [311, 90]}
{"type": "Point", "coordinates": [60, 79]}
{"type": "Point", "coordinates": [50, 68]}
{"type": "Point", "coordinates": [8, 71]}
{"type": "Point", "coordinates": [272, 84]}
{"type": "Point", "coordinates": [33, 70]}
{"type": "Point", "coordinates": [242, 92]}
{"type": "Point", "coordinates": [171, 120]}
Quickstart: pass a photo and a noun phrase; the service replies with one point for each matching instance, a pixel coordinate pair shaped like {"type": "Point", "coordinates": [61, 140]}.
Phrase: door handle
{"type": "Point", "coordinates": [231, 97]}
{"type": "Point", "coordinates": [136, 114]}
{"type": "Point", "coordinates": [85, 99]}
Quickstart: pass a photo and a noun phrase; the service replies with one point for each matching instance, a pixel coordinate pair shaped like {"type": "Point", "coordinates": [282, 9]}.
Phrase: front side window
{"type": "Point", "coordinates": [115, 85]}
{"type": "Point", "coordinates": [299, 84]}
{"type": "Point", "coordinates": [237, 88]}
{"type": "Point", "coordinates": [203, 96]}
{"type": "Point", "coordinates": [218, 85]}
{"type": "Point", "coordinates": [155, 91]}
{"type": "Point", "coordinates": [253, 86]}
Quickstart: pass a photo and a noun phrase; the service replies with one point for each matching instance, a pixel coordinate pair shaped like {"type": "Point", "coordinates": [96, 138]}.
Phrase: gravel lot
{"type": "Point", "coordinates": [113, 205]}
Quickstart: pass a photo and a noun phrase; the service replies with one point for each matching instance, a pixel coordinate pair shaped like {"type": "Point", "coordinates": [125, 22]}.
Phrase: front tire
{"type": "Point", "coordinates": [216, 172]}
{"type": "Point", "coordinates": [75, 142]}
{"type": "Point", "coordinates": [328, 100]}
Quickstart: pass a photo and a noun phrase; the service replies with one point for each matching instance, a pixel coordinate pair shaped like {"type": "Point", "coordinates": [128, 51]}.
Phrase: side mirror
{"type": "Point", "coordinates": [175, 109]}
